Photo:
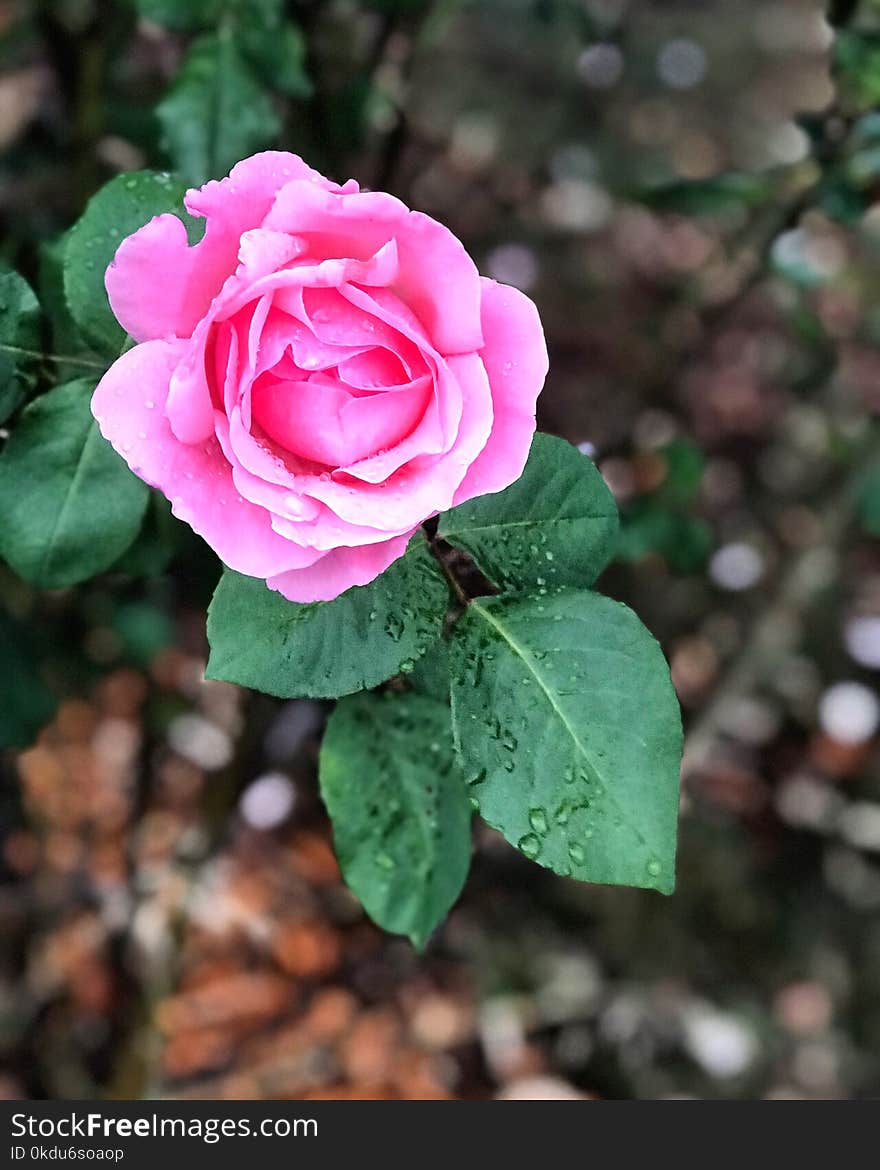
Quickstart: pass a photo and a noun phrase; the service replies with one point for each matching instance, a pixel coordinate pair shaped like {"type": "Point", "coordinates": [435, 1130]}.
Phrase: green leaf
{"type": "Point", "coordinates": [66, 337]}
{"type": "Point", "coordinates": [649, 526]}
{"type": "Point", "coordinates": [857, 68]}
{"type": "Point", "coordinates": [217, 111]}
{"type": "Point", "coordinates": [182, 15]}
{"type": "Point", "coordinates": [327, 648]}
{"type": "Point", "coordinates": [685, 464]}
{"type": "Point", "coordinates": [125, 204]}
{"type": "Point", "coordinates": [431, 674]}
{"type": "Point", "coordinates": [155, 545]}
{"type": "Point", "coordinates": [715, 196]}
{"type": "Point", "coordinates": [26, 703]}
{"type": "Point", "coordinates": [274, 45]}
{"type": "Point", "coordinates": [400, 809]}
{"type": "Point", "coordinates": [569, 734]}
{"type": "Point", "coordinates": [70, 505]}
{"type": "Point", "coordinates": [20, 345]}
{"type": "Point", "coordinates": [144, 628]}
{"type": "Point", "coordinates": [868, 503]}
{"type": "Point", "coordinates": [557, 523]}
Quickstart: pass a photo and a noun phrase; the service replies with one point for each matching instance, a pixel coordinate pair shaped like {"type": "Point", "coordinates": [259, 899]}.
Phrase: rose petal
{"type": "Point", "coordinates": [515, 357]}
{"type": "Point", "coordinates": [436, 276]}
{"type": "Point", "coordinates": [128, 405]}
{"type": "Point", "coordinates": [276, 498]}
{"type": "Point", "coordinates": [423, 487]}
{"type": "Point", "coordinates": [327, 531]}
{"type": "Point", "coordinates": [150, 308]}
{"type": "Point", "coordinates": [339, 570]}
{"type": "Point", "coordinates": [320, 420]}
{"type": "Point", "coordinates": [247, 193]}
{"type": "Point", "coordinates": [262, 252]}
{"type": "Point", "coordinates": [438, 428]}
{"type": "Point", "coordinates": [374, 369]}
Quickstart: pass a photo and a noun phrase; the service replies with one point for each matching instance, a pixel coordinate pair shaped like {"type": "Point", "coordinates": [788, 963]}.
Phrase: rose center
{"type": "Point", "coordinates": [320, 417]}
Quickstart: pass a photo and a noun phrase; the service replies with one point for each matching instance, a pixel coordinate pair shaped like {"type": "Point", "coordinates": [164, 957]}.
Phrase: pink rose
{"type": "Point", "coordinates": [319, 375]}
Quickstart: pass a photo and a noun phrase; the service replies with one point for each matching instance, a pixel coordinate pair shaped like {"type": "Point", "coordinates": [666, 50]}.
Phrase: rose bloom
{"type": "Point", "coordinates": [315, 378]}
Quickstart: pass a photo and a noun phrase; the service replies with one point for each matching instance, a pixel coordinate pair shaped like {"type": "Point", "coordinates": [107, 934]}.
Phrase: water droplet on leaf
{"type": "Point", "coordinates": [538, 821]}
{"type": "Point", "coordinates": [529, 846]}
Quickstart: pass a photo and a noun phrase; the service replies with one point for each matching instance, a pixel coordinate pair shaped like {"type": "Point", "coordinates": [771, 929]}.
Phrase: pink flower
{"type": "Point", "coordinates": [319, 375]}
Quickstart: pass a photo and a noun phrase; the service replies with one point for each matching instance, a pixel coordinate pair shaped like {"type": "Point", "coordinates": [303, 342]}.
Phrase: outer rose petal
{"type": "Point", "coordinates": [515, 357]}
{"type": "Point", "coordinates": [436, 276]}
{"type": "Point", "coordinates": [148, 307]}
{"type": "Point", "coordinates": [128, 405]}
{"type": "Point", "coordinates": [340, 570]}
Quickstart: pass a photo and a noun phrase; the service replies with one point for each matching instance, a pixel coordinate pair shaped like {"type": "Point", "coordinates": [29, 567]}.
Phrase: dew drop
{"type": "Point", "coordinates": [654, 867]}
{"type": "Point", "coordinates": [529, 846]}
{"type": "Point", "coordinates": [563, 813]}
{"type": "Point", "coordinates": [538, 821]}
{"type": "Point", "coordinates": [576, 852]}
{"type": "Point", "coordinates": [394, 628]}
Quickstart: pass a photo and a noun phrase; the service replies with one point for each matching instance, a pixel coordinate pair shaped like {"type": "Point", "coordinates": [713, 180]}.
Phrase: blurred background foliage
{"type": "Point", "coordinates": [690, 190]}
